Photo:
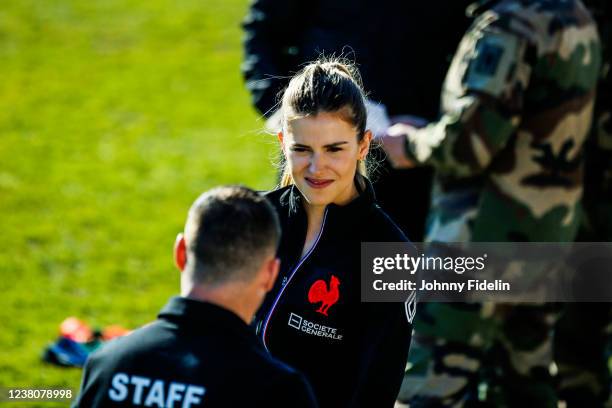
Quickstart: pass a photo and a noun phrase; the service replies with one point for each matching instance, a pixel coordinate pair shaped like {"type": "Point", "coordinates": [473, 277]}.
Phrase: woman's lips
{"type": "Point", "coordinates": [318, 183]}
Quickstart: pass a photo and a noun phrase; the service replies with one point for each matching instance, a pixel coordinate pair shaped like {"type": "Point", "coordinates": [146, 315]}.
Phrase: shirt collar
{"type": "Point", "coordinates": [205, 317]}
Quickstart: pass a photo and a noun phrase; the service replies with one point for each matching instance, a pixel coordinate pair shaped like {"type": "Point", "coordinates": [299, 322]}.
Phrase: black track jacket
{"type": "Point", "coordinates": [195, 355]}
{"type": "Point", "coordinates": [353, 353]}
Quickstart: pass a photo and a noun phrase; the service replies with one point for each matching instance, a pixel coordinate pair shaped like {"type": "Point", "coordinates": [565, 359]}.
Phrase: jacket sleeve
{"type": "Point", "coordinates": [482, 100]}
{"type": "Point", "coordinates": [271, 30]}
{"type": "Point", "coordinates": [385, 345]}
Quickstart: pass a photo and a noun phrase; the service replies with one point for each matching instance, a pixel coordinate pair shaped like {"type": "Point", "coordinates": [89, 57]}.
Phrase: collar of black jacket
{"type": "Point", "coordinates": [293, 198]}
{"type": "Point", "coordinates": [204, 317]}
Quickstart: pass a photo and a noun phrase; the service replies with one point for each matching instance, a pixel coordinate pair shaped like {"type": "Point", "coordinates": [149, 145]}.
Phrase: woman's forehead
{"type": "Point", "coordinates": [323, 128]}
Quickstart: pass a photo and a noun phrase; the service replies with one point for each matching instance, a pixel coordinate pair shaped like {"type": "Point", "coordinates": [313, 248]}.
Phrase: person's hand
{"type": "Point", "coordinates": [378, 120]}
{"type": "Point", "coordinates": [393, 142]}
{"type": "Point", "coordinates": [274, 123]}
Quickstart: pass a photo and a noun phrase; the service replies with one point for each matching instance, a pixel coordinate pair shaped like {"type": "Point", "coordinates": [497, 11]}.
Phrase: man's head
{"type": "Point", "coordinates": [227, 253]}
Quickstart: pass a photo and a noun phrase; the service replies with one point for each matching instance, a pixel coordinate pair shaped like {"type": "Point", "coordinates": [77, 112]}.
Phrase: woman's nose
{"type": "Point", "coordinates": [316, 163]}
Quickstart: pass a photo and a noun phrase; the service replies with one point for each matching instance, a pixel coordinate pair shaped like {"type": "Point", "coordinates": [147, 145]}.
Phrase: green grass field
{"type": "Point", "coordinates": [114, 116]}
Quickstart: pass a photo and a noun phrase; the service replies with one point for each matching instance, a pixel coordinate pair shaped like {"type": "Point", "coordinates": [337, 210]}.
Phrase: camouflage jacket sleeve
{"type": "Point", "coordinates": [482, 100]}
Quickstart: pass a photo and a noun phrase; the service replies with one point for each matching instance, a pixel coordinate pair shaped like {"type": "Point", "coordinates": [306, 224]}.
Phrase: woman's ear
{"type": "Point", "coordinates": [280, 140]}
{"type": "Point", "coordinates": [364, 145]}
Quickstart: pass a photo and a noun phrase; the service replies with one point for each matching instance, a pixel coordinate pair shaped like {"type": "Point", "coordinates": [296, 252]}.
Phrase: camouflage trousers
{"type": "Point", "coordinates": [466, 355]}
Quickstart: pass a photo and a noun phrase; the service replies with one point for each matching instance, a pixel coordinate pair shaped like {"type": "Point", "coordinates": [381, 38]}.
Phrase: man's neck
{"type": "Point", "coordinates": [225, 297]}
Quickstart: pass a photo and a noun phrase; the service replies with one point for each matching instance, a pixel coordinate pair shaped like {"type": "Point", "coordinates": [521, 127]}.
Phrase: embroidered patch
{"type": "Point", "coordinates": [410, 306]}
{"type": "Point", "coordinates": [492, 62]}
{"type": "Point", "coordinates": [319, 292]}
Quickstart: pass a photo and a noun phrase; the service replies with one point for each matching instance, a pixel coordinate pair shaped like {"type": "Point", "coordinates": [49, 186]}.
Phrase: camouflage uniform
{"type": "Point", "coordinates": [508, 152]}
{"type": "Point", "coordinates": [582, 333]}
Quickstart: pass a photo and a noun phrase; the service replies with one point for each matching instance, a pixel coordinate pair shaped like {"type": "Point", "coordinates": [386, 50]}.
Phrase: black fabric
{"type": "Point", "coordinates": [198, 346]}
{"type": "Point", "coordinates": [364, 367]}
{"type": "Point", "coordinates": [402, 48]}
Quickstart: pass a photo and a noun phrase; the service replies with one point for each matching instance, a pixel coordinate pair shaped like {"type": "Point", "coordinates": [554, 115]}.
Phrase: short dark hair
{"type": "Point", "coordinates": [230, 230]}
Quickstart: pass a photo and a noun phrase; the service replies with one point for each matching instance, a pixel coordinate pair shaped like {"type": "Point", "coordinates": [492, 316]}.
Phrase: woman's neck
{"type": "Point", "coordinates": [348, 195]}
{"type": "Point", "coordinates": [314, 214]}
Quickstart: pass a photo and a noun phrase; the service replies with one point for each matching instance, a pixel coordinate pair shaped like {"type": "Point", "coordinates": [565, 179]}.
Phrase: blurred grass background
{"type": "Point", "coordinates": [114, 116]}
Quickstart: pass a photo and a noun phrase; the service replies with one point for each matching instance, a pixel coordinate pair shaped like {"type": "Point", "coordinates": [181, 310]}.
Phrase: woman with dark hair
{"type": "Point", "coordinates": [353, 353]}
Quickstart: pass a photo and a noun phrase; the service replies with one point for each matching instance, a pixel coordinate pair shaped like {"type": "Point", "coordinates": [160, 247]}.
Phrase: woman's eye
{"type": "Point", "coordinates": [298, 149]}
{"type": "Point", "coordinates": [334, 149]}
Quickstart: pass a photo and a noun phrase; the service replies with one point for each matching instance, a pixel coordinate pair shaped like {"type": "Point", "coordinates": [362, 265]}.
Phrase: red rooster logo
{"type": "Point", "coordinates": [319, 293]}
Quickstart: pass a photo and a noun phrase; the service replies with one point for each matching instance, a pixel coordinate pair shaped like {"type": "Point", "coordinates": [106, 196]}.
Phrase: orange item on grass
{"type": "Point", "coordinates": [113, 331]}
{"type": "Point", "coordinates": [76, 330]}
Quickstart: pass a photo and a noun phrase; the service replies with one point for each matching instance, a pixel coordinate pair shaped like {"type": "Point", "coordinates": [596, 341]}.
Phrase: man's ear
{"type": "Point", "coordinates": [271, 273]}
{"type": "Point", "coordinates": [364, 145]}
{"type": "Point", "coordinates": [180, 252]}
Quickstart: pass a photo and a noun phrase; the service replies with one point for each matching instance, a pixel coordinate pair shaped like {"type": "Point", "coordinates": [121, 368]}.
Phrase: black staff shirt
{"type": "Point", "coordinates": [195, 354]}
